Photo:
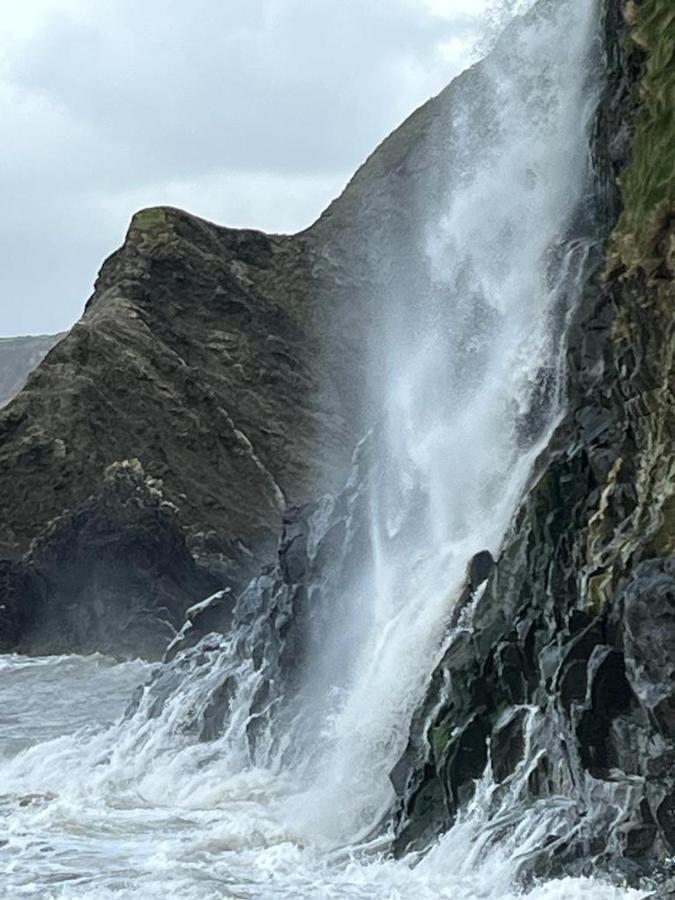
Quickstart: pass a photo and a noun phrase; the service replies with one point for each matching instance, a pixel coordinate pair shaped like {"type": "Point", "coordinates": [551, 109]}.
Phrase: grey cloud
{"type": "Point", "coordinates": [295, 86]}
{"type": "Point", "coordinates": [271, 102]}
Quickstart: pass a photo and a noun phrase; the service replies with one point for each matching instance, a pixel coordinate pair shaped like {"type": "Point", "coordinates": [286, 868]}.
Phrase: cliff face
{"type": "Point", "coordinates": [577, 622]}
{"type": "Point", "coordinates": [18, 357]}
{"type": "Point", "coordinates": [197, 363]}
{"type": "Point", "coordinates": [196, 351]}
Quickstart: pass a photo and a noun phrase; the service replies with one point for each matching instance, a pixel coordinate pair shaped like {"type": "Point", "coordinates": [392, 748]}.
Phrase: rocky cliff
{"type": "Point", "coordinates": [18, 357]}
{"type": "Point", "coordinates": [564, 680]}
{"type": "Point", "coordinates": [197, 366]}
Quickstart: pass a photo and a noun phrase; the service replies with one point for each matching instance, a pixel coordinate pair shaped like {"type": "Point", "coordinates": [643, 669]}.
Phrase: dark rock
{"type": "Point", "coordinates": [665, 816]}
{"type": "Point", "coordinates": [212, 615]}
{"type": "Point", "coordinates": [649, 638]}
{"type": "Point", "coordinates": [480, 568]}
{"type": "Point", "coordinates": [507, 744]}
{"type": "Point", "coordinates": [576, 620]}
{"type": "Point", "coordinates": [114, 576]}
{"type": "Point", "coordinates": [23, 598]}
{"type": "Point", "coordinates": [573, 683]}
{"type": "Point", "coordinates": [610, 695]}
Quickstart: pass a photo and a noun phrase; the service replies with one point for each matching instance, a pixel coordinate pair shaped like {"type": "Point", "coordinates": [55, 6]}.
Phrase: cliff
{"type": "Point", "coordinates": [196, 362]}
{"type": "Point", "coordinates": [577, 623]}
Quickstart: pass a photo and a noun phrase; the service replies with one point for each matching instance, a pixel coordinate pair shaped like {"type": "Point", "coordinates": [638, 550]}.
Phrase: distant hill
{"type": "Point", "coordinates": [18, 357]}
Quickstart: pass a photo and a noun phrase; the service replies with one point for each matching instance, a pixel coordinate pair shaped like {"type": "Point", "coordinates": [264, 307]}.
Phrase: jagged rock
{"type": "Point", "coordinates": [211, 615]}
{"type": "Point", "coordinates": [649, 639]}
{"type": "Point", "coordinates": [507, 743]}
{"type": "Point", "coordinates": [477, 573]}
{"type": "Point", "coordinates": [666, 891]}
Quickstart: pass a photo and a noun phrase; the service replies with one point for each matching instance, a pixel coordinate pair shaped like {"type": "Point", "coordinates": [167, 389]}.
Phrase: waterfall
{"type": "Point", "coordinates": [257, 763]}
{"type": "Point", "coordinates": [467, 373]}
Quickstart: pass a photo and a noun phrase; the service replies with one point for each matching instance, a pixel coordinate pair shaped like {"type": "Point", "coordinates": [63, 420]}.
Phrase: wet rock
{"type": "Point", "coordinates": [461, 756]}
{"type": "Point", "coordinates": [214, 614]}
{"type": "Point", "coordinates": [573, 683]}
{"type": "Point", "coordinates": [507, 743]}
{"type": "Point", "coordinates": [480, 569]}
{"type": "Point", "coordinates": [576, 619]}
{"type": "Point", "coordinates": [665, 892]}
{"type": "Point", "coordinates": [511, 671]}
{"type": "Point", "coordinates": [608, 695]}
{"type": "Point", "coordinates": [477, 573]}
{"type": "Point", "coordinates": [649, 639]}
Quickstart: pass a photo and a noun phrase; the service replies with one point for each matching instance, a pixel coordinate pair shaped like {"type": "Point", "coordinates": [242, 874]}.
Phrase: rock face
{"type": "Point", "coordinates": [194, 355]}
{"type": "Point", "coordinates": [576, 622]}
{"type": "Point", "coordinates": [197, 355]}
{"type": "Point", "coordinates": [18, 357]}
{"type": "Point", "coordinates": [114, 576]}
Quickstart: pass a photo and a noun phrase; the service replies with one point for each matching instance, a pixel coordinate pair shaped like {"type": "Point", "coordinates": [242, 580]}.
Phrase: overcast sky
{"type": "Point", "coordinates": [248, 112]}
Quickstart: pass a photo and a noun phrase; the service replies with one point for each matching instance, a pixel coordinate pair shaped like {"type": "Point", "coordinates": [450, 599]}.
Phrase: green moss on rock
{"type": "Point", "coordinates": [648, 185]}
{"type": "Point", "coordinates": [152, 227]}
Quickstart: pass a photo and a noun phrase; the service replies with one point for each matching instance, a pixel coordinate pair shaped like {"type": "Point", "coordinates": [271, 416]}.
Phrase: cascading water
{"type": "Point", "coordinates": [252, 768]}
{"type": "Point", "coordinates": [469, 383]}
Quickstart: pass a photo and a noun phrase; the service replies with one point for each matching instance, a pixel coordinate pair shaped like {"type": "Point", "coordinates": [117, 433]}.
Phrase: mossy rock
{"type": "Point", "coordinates": [648, 185]}
{"type": "Point", "coordinates": [153, 227]}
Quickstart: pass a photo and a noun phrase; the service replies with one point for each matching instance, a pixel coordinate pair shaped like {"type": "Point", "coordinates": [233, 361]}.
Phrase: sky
{"type": "Point", "coordinates": [251, 113]}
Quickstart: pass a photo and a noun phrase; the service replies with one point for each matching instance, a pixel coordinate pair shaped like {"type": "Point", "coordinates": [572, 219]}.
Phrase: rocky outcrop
{"type": "Point", "coordinates": [576, 623]}
{"type": "Point", "coordinates": [114, 576]}
{"type": "Point", "coordinates": [195, 354]}
{"type": "Point", "coordinates": [198, 355]}
{"type": "Point", "coordinates": [18, 357]}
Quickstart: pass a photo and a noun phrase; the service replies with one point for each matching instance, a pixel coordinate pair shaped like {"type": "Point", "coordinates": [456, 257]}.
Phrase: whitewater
{"type": "Point", "coordinates": [109, 785]}
{"type": "Point", "coordinates": [82, 817]}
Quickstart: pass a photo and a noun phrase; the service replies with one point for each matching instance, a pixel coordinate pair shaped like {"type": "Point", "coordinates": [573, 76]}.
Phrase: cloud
{"type": "Point", "coordinates": [251, 112]}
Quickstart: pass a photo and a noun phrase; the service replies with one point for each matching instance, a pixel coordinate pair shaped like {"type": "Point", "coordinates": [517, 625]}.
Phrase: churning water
{"type": "Point", "coordinates": [96, 803]}
{"type": "Point", "coordinates": [137, 810]}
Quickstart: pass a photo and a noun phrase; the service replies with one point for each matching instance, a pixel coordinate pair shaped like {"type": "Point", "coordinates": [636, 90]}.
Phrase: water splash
{"type": "Point", "coordinates": [141, 810]}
